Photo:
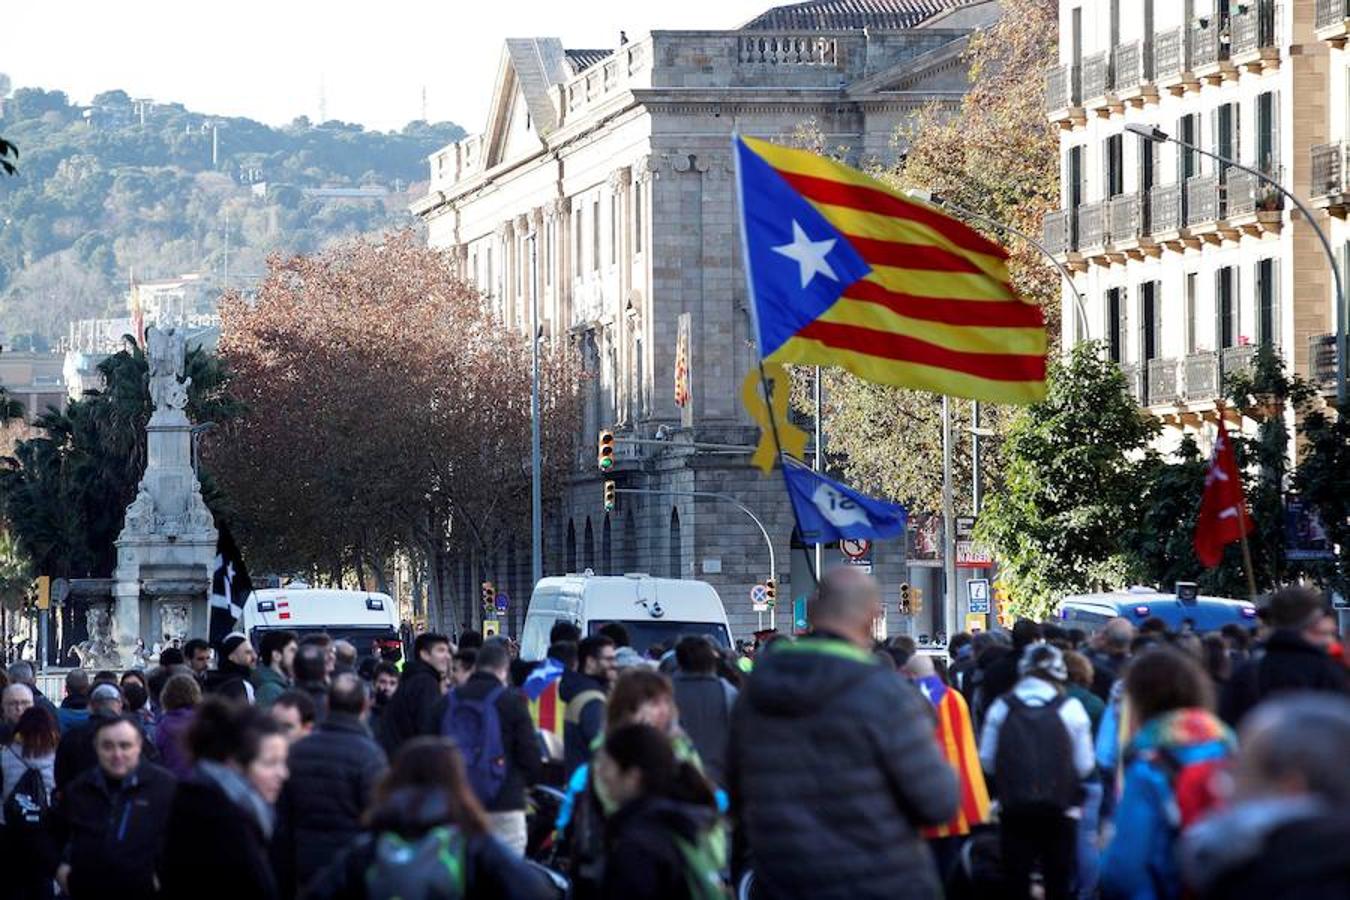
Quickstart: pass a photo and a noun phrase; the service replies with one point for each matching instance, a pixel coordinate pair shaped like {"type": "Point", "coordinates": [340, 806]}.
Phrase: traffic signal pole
{"type": "Point", "coordinates": [536, 488]}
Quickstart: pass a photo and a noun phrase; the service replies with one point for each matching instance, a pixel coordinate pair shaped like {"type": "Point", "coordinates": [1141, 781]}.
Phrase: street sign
{"type": "Point", "coordinates": [503, 602]}
{"type": "Point", "coordinates": [759, 598]}
{"type": "Point", "coordinates": [491, 628]}
{"type": "Point", "coordinates": [799, 615]}
{"type": "Point", "coordinates": [970, 555]}
{"type": "Point", "coordinates": [855, 548]}
{"type": "Point", "coordinates": [978, 591]}
{"type": "Point", "coordinates": [974, 623]}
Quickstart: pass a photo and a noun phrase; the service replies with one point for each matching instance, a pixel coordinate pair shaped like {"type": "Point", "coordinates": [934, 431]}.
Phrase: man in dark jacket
{"type": "Point", "coordinates": [833, 766]}
{"type": "Point", "coordinates": [112, 818]}
{"type": "Point", "coordinates": [311, 677]}
{"type": "Point", "coordinates": [77, 753]}
{"type": "Point", "coordinates": [584, 692]}
{"type": "Point", "coordinates": [1001, 675]}
{"type": "Point", "coordinates": [75, 705]}
{"type": "Point", "coordinates": [524, 757]}
{"type": "Point", "coordinates": [1110, 654]}
{"type": "Point", "coordinates": [233, 678]}
{"type": "Point", "coordinates": [1295, 658]}
{"type": "Point", "coordinates": [412, 709]}
{"type": "Point", "coordinates": [332, 775]}
{"type": "Point", "coordinates": [705, 703]}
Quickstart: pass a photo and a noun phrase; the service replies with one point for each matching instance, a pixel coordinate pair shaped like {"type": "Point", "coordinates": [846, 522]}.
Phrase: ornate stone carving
{"type": "Point", "coordinates": [166, 353]}
{"type": "Point", "coordinates": [100, 650]}
{"type": "Point", "coordinates": [557, 208]}
{"type": "Point", "coordinates": [141, 518]}
{"type": "Point", "coordinates": [619, 179]}
{"type": "Point", "coordinates": [644, 170]}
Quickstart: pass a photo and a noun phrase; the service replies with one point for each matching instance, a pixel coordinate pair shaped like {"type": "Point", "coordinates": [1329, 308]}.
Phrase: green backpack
{"type": "Point", "coordinates": [702, 870]}
{"type": "Point", "coordinates": [429, 868]}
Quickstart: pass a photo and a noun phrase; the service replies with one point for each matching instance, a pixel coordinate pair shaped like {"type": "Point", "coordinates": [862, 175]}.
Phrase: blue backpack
{"type": "Point", "coordinates": [476, 728]}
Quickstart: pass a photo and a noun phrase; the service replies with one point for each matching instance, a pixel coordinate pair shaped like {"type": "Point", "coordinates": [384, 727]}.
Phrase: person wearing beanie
{"type": "Point", "coordinates": [233, 678]}
{"type": "Point", "coordinates": [1036, 746]}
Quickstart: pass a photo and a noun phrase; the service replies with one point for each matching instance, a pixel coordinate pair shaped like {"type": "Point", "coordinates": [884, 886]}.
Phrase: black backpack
{"type": "Point", "coordinates": [28, 804]}
{"type": "Point", "coordinates": [1033, 768]}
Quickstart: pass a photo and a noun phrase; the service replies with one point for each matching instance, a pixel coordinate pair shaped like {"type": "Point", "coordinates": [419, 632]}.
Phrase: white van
{"type": "Point", "coordinates": [366, 619]}
{"type": "Point", "coordinates": [653, 610]}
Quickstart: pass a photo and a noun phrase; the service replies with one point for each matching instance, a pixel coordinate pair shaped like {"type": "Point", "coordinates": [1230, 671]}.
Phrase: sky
{"type": "Point", "coordinates": [269, 60]}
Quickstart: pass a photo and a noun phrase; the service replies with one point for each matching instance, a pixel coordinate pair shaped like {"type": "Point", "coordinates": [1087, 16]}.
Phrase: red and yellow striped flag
{"type": "Point", "coordinates": [845, 271]}
{"type": "Point", "coordinates": [956, 740]}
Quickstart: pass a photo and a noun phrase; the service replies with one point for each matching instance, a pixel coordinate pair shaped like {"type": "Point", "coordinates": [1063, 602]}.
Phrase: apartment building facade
{"type": "Point", "coordinates": [1185, 264]}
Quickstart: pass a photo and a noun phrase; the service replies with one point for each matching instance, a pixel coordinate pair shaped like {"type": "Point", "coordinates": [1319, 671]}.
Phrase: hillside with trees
{"type": "Point", "coordinates": [122, 186]}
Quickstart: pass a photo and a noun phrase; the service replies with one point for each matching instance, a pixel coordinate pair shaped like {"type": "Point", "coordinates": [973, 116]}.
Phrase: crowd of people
{"type": "Point", "coordinates": [1134, 763]}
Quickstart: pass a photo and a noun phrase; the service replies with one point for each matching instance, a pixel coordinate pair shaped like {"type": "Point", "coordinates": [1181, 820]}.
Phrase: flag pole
{"type": "Point", "coordinates": [1242, 519]}
{"type": "Point", "coordinates": [759, 344]}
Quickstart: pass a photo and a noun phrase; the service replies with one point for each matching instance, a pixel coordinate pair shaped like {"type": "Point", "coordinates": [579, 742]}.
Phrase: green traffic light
{"type": "Point", "coordinates": [606, 462]}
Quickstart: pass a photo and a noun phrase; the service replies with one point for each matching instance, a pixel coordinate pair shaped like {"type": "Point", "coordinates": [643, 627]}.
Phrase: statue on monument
{"type": "Point", "coordinates": [166, 353]}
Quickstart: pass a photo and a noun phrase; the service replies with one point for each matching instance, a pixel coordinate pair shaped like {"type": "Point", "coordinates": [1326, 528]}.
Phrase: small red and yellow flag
{"type": "Point", "coordinates": [956, 740]}
{"type": "Point", "coordinates": [845, 271]}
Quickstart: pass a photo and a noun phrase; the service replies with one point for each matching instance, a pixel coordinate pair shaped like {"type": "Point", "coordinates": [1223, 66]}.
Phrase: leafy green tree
{"type": "Point", "coordinates": [1075, 468]}
{"type": "Point", "coordinates": [1321, 479]}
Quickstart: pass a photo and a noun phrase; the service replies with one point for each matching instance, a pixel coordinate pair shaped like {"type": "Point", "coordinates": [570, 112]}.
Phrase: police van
{"type": "Point", "coordinates": [653, 610]}
{"type": "Point", "coordinates": [367, 619]}
{"type": "Point", "coordinates": [1183, 609]}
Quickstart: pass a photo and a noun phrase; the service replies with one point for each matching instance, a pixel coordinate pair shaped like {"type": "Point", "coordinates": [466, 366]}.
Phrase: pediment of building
{"type": "Point", "coordinates": [522, 112]}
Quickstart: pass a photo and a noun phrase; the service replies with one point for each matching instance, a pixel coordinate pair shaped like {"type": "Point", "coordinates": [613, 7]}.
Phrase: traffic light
{"type": "Point", "coordinates": [770, 591]}
{"type": "Point", "coordinates": [489, 595]}
{"type": "Point", "coordinates": [44, 592]}
{"type": "Point", "coordinates": [916, 600]}
{"type": "Point", "coordinates": [906, 599]}
{"type": "Point", "coordinates": [605, 452]}
{"type": "Point", "coordinates": [609, 496]}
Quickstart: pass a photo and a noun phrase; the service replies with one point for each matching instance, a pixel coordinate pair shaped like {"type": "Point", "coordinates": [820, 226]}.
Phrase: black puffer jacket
{"type": "Point", "coordinates": [332, 775]}
{"type": "Point", "coordinates": [209, 842]}
{"type": "Point", "coordinates": [1277, 849]}
{"type": "Point", "coordinates": [1289, 664]}
{"type": "Point", "coordinates": [833, 768]}
{"type": "Point", "coordinates": [643, 859]}
{"type": "Point", "coordinates": [114, 834]}
{"type": "Point", "coordinates": [411, 711]}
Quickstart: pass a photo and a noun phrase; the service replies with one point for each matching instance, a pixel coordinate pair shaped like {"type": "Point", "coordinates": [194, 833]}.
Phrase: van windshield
{"type": "Point", "coordinates": [643, 634]}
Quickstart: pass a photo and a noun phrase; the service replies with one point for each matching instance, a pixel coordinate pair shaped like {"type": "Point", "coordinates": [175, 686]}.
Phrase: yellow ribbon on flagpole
{"type": "Point", "coordinates": [792, 438]}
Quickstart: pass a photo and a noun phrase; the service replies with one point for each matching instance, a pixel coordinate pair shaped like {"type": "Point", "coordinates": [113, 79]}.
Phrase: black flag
{"type": "Point", "coordinates": [230, 587]}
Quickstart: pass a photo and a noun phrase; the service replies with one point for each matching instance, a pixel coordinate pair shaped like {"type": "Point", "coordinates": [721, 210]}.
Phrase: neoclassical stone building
{"type": "Point", "coordinates": [602, 186]}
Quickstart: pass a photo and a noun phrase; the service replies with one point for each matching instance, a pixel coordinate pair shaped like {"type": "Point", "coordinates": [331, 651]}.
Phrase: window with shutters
{"type": "Point", "coordinates": [1150, 335]}
{"type": "Point", "coordinates": [1268, 301]}
{"type": "Point", "coordinates": [1188, 161]}
{"type": "Point", "coordinates": [1115, 324]}
{"type": "Point", "coordinates": [1225, 307]}
{"type": "Point", "coordinates": [1192, 320]}
{"type": "Point", "coordinates": [578, 266]}
{"type": "Point", "coordinates": [1224, 125]}
{"type": "Point", "coordinates": [595, 235]}
{"type": "Point", "coordinates": [637, 217]}
{"type": "Point", "coordinates": [1267, 139]}
{"type": "Point", "coordinates": [1113, 161]}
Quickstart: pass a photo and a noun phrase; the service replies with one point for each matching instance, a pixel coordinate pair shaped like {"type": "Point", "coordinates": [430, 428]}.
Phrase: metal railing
{"type": "Point", "coordinates": [1134, 382]}
{"type": "Point", "coordinates": [1322, 360]}
{"type": "Point", "coordinates": [1164, 383]}
{"type": "Point", "coordinates": [1206, 48]}
{"type": "Point", "coordinates": [1202, 199]}
{"type": "Point", "coordinates": [1123, 218]}
{"type": "Point", "coordinates": [1169, 53]}
{"type": "Point", "coordinates": [1202, 376]}
{"type": "Point", "coordinates": [1127, 66]}
{"type": "Point", "coordinates": [1096, 75]}
{"type": "Point", "coordinates": [1331, 12]}
{"type": "Point", "coordinates": [1254, 27]}
{"type": "Point", "coordinates": [1091, 232]}
{"type": "Point", "coordinates": [1247, 194]}
{"type": "Point", "coordinates": [1165, 208]}
{"type": "Point", "coordinates": [1237, 359]}
{"type": "Point", "coordinates": [1055, 231]}
{"type": "Point", "coordinates": [1062, 88]}
{"type": "Point", "coordinates": [1328, 170]}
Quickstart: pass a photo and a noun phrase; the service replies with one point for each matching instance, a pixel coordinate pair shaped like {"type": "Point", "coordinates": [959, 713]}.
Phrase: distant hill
{"type": "Point", "coordinates": [123, 184]}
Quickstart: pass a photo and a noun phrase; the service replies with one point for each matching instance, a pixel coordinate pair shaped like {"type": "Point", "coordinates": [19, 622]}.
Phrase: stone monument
{"type": "Point", "coordinates": [167, 547]}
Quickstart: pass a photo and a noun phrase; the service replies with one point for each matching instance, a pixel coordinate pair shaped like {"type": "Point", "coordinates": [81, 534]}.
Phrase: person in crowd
{"type": "Point", "coordinates": [1036, 744]}
{"type": "Point", "coordinates": [1003, 674]}
{"type": "Point", "coordinates": [412, 710]}
{"type": "Point", "coordinates": [311, 677]}
{"type": "Point", "coordinates": [584, 693]}
{"type": "Point", "coordinates": [324, 642]}
{"type": "Point", "coordinates": [824, 738]}
{"type": "Point", "coordinates": [1172, 768]}
{"type": "Point", "coordinates": [296, 714]}
{"type": "Point", "coordinates": [705, 702]}
{"type": "Point", "coordinates": [961, 650]}
{"type": "Point", "coordinates": [233, 677]}
{"type": "Point", "coordinates": [113, 818]}
{"type": "Point", "coordinates": [344, 656]}
{"type": "Point", "coordinates": [1110, 653]}
{"type": "Point", "coordinates": [1284, 837]}
{"type": "Point", "coordinates": [1217, 660]}
{"type": "Point", "coordinates": [222, 818]}
{"type": "Point", "coordinates": [1081, 679]}
{"type": "Point", "coordinates": [179, 701]}
{"type": "Point", "coordinates": [1295, 657]}
{"type": "Point", "coordinates": [956, 739]}
{"type": "Point", "coordinates": [15, 700]}
{"type": "Point", "coordinates": [276, 659]}
{"type": "Point", "coordinates": [77, 751]}
{"type": "Point", "coordinates": [427, 835]}
{"type": "Point", "coordinates": [384, 682]}
{"type": "Point", "coordinates": [155, 680]}
{"type": "Point", "coordinates": [1082, 676]}
{"type": "Point", "coordinates": [333, 775]}
{"type": "Point", "coordinates": [499, 744]}
{"type": "Point", "coordinates": [21, 672]}
{"type": "Point", "coordinates": [105, 676]}
{"type": "Point", "coordinates": [197, 652]}
{"type": "Point", "coordinates": [27, 798]}
{"type": "Point", "coordinates": [75, 705]}
{"type": "Point", "coordinates": [542, 689]}
{"type": "Point", "coordinates": [462, 666]}
{"type": "Point", "coordinates": [968, 678]}
{"type": "Point", "coordinates": [1239, 641]}
{"type": "Point", "coordinates": [617, 633]}
{"type": "Point", "coordinates": [663, 807]}
{"type": "Point", "coordinates": [170, 657]}
{"type": "Point", "coordinates": [469, 639]}
{"type": "Point", "coordinates": [136, 702]}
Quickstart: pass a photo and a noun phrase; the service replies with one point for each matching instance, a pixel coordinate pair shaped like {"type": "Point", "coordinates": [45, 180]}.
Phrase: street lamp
{"type": "Point", "coordinates": [1157, 135]}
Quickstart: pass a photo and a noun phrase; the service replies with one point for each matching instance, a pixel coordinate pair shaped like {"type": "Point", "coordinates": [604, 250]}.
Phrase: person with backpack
{"type": "Point", "coordinates": [1173, 764]}
{"type": "Point", "coordinates": [27, 773]}
{"type": "Point", "coordinates": [428, 838]}
{"type": "Point", "coordinates": [490, 724]}
{"type": "Point", "coordinates": [1037, 746]}
{"type": "Point", "coordinates": [658, 841]}
{"type": "Point", "coordinates": [705, 702]}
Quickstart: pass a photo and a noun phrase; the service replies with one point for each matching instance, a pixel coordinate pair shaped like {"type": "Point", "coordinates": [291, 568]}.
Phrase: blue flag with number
{"type": "Point", "coordinates": [829, 511]}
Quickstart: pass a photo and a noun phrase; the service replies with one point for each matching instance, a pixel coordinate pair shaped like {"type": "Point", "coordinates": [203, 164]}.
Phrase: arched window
{"type": "Point", "coordinates": [675, 561]}
{"type": "Point", "coordinates": [571, 546]}
{"type": "Point", "coordinates": [606, 548]}
{"type": "Point", "coordinates": [588, 545]}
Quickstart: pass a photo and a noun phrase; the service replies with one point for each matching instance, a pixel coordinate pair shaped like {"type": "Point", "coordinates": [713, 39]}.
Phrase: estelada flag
{"type": "Point", "coordinates": [956, 740]}
{"type": "Point", "coordinates": [541, 692]}
{"type": "Point", "coordinates": [843, 271]}
{"type": "Point", "coordinates": [1223, 509]}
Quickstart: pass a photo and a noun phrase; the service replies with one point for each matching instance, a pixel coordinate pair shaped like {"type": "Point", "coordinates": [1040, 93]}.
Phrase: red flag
{"type": "Point", "coordinates": [1223, 509]}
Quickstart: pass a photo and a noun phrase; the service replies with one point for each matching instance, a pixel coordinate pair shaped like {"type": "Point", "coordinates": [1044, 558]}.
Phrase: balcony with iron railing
{"type": "Point", "coordinates": [1096, 78]}
{"type": "Point", "coordinates": [1063, 96]}
{"type": "Point", "coordinates": [1166, 209]}
{"type": "Point", "coordinates": [1254, 32]}
{"type": "Point", "coordinates": [1123, 220]}
{"type": "Point", "coordinates": [1132, 73]}
{"type": "Point", "coordinates": [1252, 203]}
{"type": "Point", "coordinates": [1135, 382]}
{"type": "Point", "coordinates": [1164, 382]}
{"type": "Point", "coordinates": [1055, 232]}
{"type": "Point", "coordinates": [1331, 19]}
{"type": "Point", "coordinates": [1322, 361]}
{"type": "Point", "coordinates": [1203, 200]}
{"type": "Point", "coordinates": [1208, 50]}
{"type": "Point", "coordinates": [1329, 179]}
{"type": "Point", "coordinates": [1201, 376]}
{"type": "Point", "coordinates": [1235, 360]}
{"type": "Point", "coordinates": [1091, 225]}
